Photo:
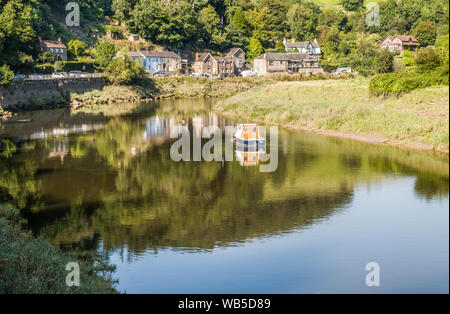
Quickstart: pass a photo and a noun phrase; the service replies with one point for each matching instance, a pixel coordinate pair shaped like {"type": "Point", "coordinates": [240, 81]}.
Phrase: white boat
{"type": "Point", "coordinates": [248, 135]}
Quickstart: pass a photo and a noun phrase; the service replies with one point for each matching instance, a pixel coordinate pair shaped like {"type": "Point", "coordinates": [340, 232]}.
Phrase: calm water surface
{"type": "Point", "coordinates": [88, 180]}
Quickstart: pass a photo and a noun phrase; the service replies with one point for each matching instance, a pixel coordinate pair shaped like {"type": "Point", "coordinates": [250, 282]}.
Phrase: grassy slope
{"type": "Point", "coordinates": [419, 119]}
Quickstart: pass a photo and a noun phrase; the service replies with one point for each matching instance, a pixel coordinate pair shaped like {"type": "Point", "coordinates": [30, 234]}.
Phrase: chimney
{"type": "Point", "coordinates": [196, 56]}
{"type": "Point", "coordinates": [59, 40]}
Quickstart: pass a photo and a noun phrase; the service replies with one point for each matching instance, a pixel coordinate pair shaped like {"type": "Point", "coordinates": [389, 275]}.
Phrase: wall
{"type": "Point", "coordinates": [45, 94]}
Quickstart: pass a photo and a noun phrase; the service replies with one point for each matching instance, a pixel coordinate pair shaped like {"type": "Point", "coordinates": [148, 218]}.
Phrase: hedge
{"type": "Point", "coordinates": [68, 66]}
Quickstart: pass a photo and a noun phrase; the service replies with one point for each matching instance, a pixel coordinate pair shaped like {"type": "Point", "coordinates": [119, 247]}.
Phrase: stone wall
{"type": "Point", "coordinates": [45, 94]}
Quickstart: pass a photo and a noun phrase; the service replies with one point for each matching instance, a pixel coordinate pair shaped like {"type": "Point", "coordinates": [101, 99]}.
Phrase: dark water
{"type": "Point", "coordinates": [108, 183]}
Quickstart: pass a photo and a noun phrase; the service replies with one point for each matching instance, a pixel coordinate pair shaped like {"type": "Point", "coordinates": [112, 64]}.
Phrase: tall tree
{"type": "Point", "coordinates": [426, 33]}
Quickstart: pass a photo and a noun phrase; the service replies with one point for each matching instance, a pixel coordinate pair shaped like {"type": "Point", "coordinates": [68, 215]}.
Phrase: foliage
{"type": "Point", "coordinates": [103, 54]}
{"type": "Point", "coordinates": [76, 48]}
{"type": "Point", "coordinates": [123, 70]}
{"type": "Point", "coordinates": [303, 20]}
{"type": "Point", "coordinates": [427, 59]}
{"type": "Point", "coordinates": [6, 75]}
{"type": "Point", "coordinates": [33, 265]}
{"type": "Point", "coordinates": [425, 33]}
{"type": "Point", "coordinates": [254, 49]}
{"type": "Point", "coordinates": [67, 66]}
{"type": "Point", "coordinates": [352, 5]}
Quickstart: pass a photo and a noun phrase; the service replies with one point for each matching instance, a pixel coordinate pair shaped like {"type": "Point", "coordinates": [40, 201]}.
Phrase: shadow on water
{"type": "Point", "coordinates": [86, 178]}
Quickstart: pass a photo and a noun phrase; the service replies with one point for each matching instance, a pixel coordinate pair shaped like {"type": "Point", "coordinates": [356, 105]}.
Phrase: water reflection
{"type": "Point", "coordinates": [82, 179]}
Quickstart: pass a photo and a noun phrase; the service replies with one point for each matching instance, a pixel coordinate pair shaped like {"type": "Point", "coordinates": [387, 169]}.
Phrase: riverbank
{"type": "Point", "coordinates": [345, 109]}
{"type": "Point", "coordinates": [33, 265]}
{"type": "Point", "coordinates": [182, 87]}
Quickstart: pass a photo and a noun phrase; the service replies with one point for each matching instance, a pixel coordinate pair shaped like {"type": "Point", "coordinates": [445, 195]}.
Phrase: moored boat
{"type": "Point", "coordinates": [248, 135]}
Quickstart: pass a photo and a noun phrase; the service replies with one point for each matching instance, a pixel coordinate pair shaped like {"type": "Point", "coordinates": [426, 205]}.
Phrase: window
{"type": "Point", "coordinates": [254, 129]}
{"type": "Point", "coordinates": [270, 62]}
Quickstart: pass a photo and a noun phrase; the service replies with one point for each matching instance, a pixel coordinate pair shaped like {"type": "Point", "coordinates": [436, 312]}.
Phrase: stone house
{"type": "Point", "coordinates": [286, 63]}
{"type": "Point", "coordinates": [208, 65]}
{"type": "Point", "coordinates": [238, 57]}
{"type": "Point", "coordinates": [55, 47]}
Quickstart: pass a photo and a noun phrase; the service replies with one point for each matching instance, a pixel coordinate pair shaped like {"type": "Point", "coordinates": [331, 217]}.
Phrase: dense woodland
{"type": "Point", "coordinates": [257, 26]}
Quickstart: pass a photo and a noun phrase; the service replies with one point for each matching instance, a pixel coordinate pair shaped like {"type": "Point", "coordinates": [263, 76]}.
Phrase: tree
{"type": "Point", "coordinates": [122, 9]}
{"type": "Point", "coordinates": [103, 54]}
{"type": "Point", "coordinates": [303, 20]}
{"type": "Point", "coordinates": [276, 17]}
{"type": "Point", "coordinates": [6, 75]}
{"type": "Point", "coordinates": [352, 5]}
{"type": "Point", "coordinates": [258, 19]}
{"type": "Point", "coordinates": [254, 49]}
{"type": "Point", "coordinates": [425, 32]}
{"type": "Point", "coordinates": [76, 48]}
{"type": "Point", "coordinates": [427, 59]}
{"type": "Point", "coordinates": [209, 22]}
{"type": "Point", "coordinates": [123, 70]}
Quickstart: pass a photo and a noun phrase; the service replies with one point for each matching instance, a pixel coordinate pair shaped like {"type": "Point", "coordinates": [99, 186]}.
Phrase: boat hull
{"type": "Point", "coordinates": [250, 142]}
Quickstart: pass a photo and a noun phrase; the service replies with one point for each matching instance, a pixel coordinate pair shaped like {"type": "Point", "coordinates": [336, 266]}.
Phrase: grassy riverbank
{"type": "Point", "coordinates": [182, 87]}
{"type": "Point", "coordinates": [346, 109]}
{"type": "Point", "coordinates": [33, 265]}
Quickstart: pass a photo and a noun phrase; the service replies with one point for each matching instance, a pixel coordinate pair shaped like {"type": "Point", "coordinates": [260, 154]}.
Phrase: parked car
{"type": "Point", "coordinates": [160, 74]}
{"type": "Point", "coordinates": [84, 74]}
{"type": "Point", "coordinates": [74, 73]}
{"type": "Point", "coordinates": [36, 76]}
{"type": "Point", "coordinates": [19, 77]}
{"type": "Point", "coordinates": [196, 75]}
{"type": "Point", "coordinates": [59, 74]}
{"type": "Point", "coordinates": [248, 73]}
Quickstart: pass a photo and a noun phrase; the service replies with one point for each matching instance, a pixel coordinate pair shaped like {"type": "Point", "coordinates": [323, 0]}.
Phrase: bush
{"type": "Point", "coordinates": [427, 60]}
{"type": "Point", "coordinates": [33, 265]}
{"type": "Point", "coordinates": [46, 68]}
{"type": "Point", "coordinates": [67, 66]}
{"type": "Point", "coordinates": [6, 75]}
{"type": "Point", "coordinates": [123, 71]}
{"type": "Point", "coordinates": [399, 83]}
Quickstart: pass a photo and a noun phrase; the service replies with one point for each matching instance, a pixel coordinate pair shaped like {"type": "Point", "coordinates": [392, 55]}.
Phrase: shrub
{"type": "Point", "coordinates": [123, 71]}
{"type": "Point", "coordinates": [427, 60]}
{"type": "Point", "coordinates": [67, 66]}
{"type": "Point", "coordinates": [46, 68]}
{"type": "Point", "coordinates": [6, 75]}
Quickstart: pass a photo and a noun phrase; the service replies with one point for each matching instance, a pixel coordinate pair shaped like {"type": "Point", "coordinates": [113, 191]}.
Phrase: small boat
{"type": "Point", "coordinates": [248, 134]}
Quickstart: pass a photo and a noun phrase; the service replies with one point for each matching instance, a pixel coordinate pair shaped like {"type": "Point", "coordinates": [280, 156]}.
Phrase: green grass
{"type": "Point", "coordinates": [33, 265]}
{"type": "Point", "coordinates": [419, 119]}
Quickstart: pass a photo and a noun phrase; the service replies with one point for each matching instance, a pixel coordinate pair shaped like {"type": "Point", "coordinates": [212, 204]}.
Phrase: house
{"type": "Point", "coordinates": [208, 65]}
{"type": "Point", "coordinates": [307, 47]}
{"type": "Point", "coordinates": [272, 63]}
{"type": "Point", "coordinates": [55, 47]}
{"type": "Point", "coordinates": [157, 61]}
{"type": "Point", "coordinates": [238, 57]}
{"type": "Point", "coordinates": [400, 43]}
{"type": "Point", "coordinates": [133, 37]}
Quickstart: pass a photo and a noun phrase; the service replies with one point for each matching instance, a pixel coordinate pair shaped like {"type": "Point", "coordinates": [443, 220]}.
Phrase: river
{"type": "Point", "coordinates": [107, 182]}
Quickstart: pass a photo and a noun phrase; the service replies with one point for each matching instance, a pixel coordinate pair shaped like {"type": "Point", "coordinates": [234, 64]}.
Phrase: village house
{"type": "Point", "coordinates": [306, 47]}
{"type": "Point", "coordinates": [400, 43]}
{"type": "Point", "coordinates": [208, 65]}
{"type": "Point", "coordinates": [55, 47]}
{"type": "Point", "coordinates": [285, 63]}
{"type": "Point", "coordinates": [156, 62]}
{"type": "Point", "coordinates": [238, 57]}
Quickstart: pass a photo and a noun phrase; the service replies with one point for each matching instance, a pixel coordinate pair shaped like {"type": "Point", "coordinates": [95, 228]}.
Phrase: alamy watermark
{"type": "Point", "coordinates": [73, 278]}
{"type": "Point", "coordinates": [373, 277]}
{"type": "Point", "coordinates": [73, 18]}
{"type": "Point", "coordinates": [373, 14]}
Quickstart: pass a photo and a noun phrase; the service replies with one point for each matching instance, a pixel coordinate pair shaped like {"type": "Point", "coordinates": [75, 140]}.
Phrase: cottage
{"type": "Point", "coordinates": [400, 43]}
{"type": "Point", "coordinates": [55, 47]}
{"type": "Point", "coordinates": [306, 47]}
{"type": "Point", "coordinates": [272, 63]}
{"type": "Point", "coordinates": [208, 65]}
{"type": "Point", "coordinates": [156, 62]}
{"type": "Point", "coordinates": [238, 57]}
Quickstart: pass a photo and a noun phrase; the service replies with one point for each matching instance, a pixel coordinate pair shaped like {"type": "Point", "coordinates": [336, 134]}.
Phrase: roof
{"type": "Point", "coordinates": [301, 44]}
{"type": "Point", "coordinates": [405, 39]}
{"type": "Point", "coordinates": [154, 54]}
{"type": "Point", "coordinates": [284, 56]}
{"type": "Point", "coordinates": [225, 59]}
{"type": "Point", "coordinates": [232, 51]}
{"type": "Point", "coordinates": [52, 44]}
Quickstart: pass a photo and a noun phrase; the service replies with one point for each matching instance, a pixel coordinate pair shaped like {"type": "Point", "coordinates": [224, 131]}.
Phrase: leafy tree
{"type": "Point", "coordinates": [303, 20]}
{"type": "Point", "coordinates": [209, 22]}
{"type": "Point", "coordinates": [104, 54]}
{"type": "Point", "coordinates": [276, 17]}
{"type": "Point", "coordinates": [260, 27]}
{"type": "Point", "coordinates": [254, 49]}
{"type": "Point", "coordinates": [76, 48]}
{"type": "Point", "coordinates": [427, 59]}
{"type": "Point", "coordinates": [6, 75]}
{"type": "Point", "coordinates": [123, 70]}
{"type": "Point", "coordinates": [352, 5]}
{"type": "Point", "coordinates": [425, 32]}
{"type": "Point", "coordinates": [122, 9]}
